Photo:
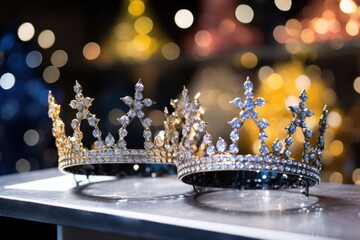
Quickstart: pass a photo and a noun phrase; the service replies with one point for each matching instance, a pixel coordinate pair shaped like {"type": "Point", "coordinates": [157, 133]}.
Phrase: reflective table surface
{"type": "Point", "coordinates": [166, 208]}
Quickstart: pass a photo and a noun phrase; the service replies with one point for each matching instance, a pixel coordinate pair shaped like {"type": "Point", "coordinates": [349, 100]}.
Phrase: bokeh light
{"type": "Point", "coordinates": [22, 165]}
{"type": "Point", "coordinates": [244, 13]}
{"type": "Point", "coordinates": [136, 8]}
{"type": "Point", "coordinates": [46, 39]}
{"type": "Point", "coordinates": [26, 31]}
{"type": "Point", "coordinates": [283, 5]}
{"type": "Point", "coordinates": [51, 74]}
{"type": "Point", "coordinates": [33, 59]}
{"type": "Point", "coordinates": [170, 51]}
{"type": "Point", "coordinates": [7, 81]}
{"type": "Point", "coordinates": [59, 58]}
{"type": "Point", "coordinates": [31, 137]}
{"type": "Point", "coordinates": [184, 18]}
{"type": "Point", "coordinates": [91, 51]}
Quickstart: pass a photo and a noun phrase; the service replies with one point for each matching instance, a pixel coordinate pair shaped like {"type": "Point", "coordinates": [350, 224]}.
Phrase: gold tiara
{"type": "Point", "coordinates": [204, 163]}
{"type": "Point", "coordinates": [106, 156]}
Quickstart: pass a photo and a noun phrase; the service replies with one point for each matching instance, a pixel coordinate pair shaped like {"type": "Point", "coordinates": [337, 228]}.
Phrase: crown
{"type": "Point", "coordinates": [107, 155]}
{"type": "Point", "coordinates": [205, 163]}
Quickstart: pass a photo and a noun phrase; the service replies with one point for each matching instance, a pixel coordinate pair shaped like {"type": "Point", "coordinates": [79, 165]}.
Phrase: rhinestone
{"type": "Point", "coordinates": [277, 146]}
{"type": "Point", "coordinates": [123, 132]}
{"type": "Point", "coordinates": [122, 144]}
{"type": "Point", "coordinates": [264, 149]}
{"type": "Point", "coordinates": [140, 114]}
{"type": "Point", "coordinates": [248, 85]}
{"type": "Point", "coordinates": [79, 115]}
{"type": "Point", "coordinates": [73, 104]}
{"type": "Point", "coordinates": [131, 113]}
{"type": "Point", "coordinates": [237, 102]}
{"type": "Point", "coordinates": [297, 122]}
{"type": "Point", "coordinates": [262, 124]}
{"type": "Point", "coordinates": [139, 86]}
{"type": "Point", "coordinates": [117, 151]}
{"type": "Point", "coordinates": [291, 129]}
{"type": "Point", "coordinates": [308, 133]}
{"type": "Point", "coordinates": [96, 133]}
{"type": "Point", "coordinates": [236, 123]}
{"type": "Point", "coordinates": [210, 150]}
{"type": "Point", "coordinates": [294, 109]}
{"type": "Point", "coordinates": [253, 114]}
{"type": "Point", "coordinates": [233, 148]}
{"type": "Point", "coordinates": [263, 136]}
{"type": "Point", "coordinates": [239, 165]}
{"type": "Point", "coordinates": [109, 140]}
{"type": "Point", "coordinates": [207, 138]}
{"type": "Point", "coordinates": [124, 120]}
{"type": "Point", "coordinates": [159, 139]}
{"type": "Point", "coordinates": [99, 144]}
{"type": "Point", "coordinates": [148, 144]}
{"type": "Point", "coordinates": [249, 105]}
{"type": "Point", "coordinates": [147, 122]}
{"type": "Point", "coordinates": [303, 96]}
{"type": "Point", "coordinates": [77, 88]}
{"type": "Point", "coordinates": [234, 136]}
{"type": "Point", "coordinates": [138, 95]}
{"type": "Point", "coordinates": [138, 105]}
{"type": "Point", "coordinates": [79, 97]}
{"type": "Point", "coordinates": [249, 165]}
{"type": "Point", "coordinates": [302, 105]}
{"type": "Point", "coordinates": [309, 113]}
{"type": "Point", "coordinates": [147, 134]}
{"type": "Point", "coordinates": [147, 102]}
{"type": "Point", "coordinates": [248, 94]}
{"type": "Point", "coordinates": [289, 141]}
{"type": "Point", "coordinates": [127, 100]}
{"type": "Point", "coordinates": [221, 145]}
{"type": "Point", "coordinates": [260, 101]}
{"type": "Point", "coordinates": [109, 152]}
{"type": "Point", "coordinates": [74, 123]}
{"type": "Point", "coordinates": [92, 121]}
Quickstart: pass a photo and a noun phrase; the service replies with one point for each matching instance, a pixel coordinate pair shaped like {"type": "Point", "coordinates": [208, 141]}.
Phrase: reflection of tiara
{"type": "Point", "coordinates": [201, 163]}
{"type": "Point", "coordinates": [107, 155]}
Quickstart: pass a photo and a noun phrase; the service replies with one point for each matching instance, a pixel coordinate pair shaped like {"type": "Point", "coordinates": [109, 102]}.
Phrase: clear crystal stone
{"type": "Point", "coordinates": [147, 122]}
{"type": "Point", "coordinates": [148, 144]}
{"type": "Point", "coordinates": [124, 120]}
{"type": "Point", "coordinates": [127, 100]}
{"type": "Point", "coordinates": [77, 88]}
{"type": "Point", "coordinates": [233, 148]}
{"type": "Point", "coordinates": [259, 101]}
{"type": "Point", "coordinates": [210, 150]}
{"type": "Point", "coordinates": [73, 104]}
{"type": "Point", "coordinates": [99, 144]}
{"type": "Point", "coordinates": [138, 96]}
{"type": "Point", "coordinates": [237, 102]}
{"type": "Point", "coordinates": [138, 105]}
{"type": "Point", "coordinates": [79, 97]}
{"type": "Point", "coordinates": [123, 132]}
{"type": "Point", "coordinates": [74, 123]}
{"type": "Point", "coordinates": [147, 102]}
{"type": "Point", "coordinates": [248, 85]}
{"type": "Point", "coordinates": [207, 138]}
{"type": "Point", "coordinates": [236, 123]}
{"type": "Point", "coordinates": [221, 145]}
{"type": "Point", "coordinates": [96, 133]}
{"type": "Point", "coordinates": [109, 140]}
{"type": "Point", "coordinates": [139, 86]}
{"type": "Point", "coordinates": [262, 124]}
{"type": "Point", "coordinates": [248, 94]}
{"type": "Point", "coordinates": [140, 114]}
{"type": "Point", "coordinates": [234, 136]}
{"type": "Point", "coordinates": [263, 136]}
{"type": "Point", "coordinates": [277, 146]}
{"type": "Point", "coordinates": [159, 139]}
{"type": "Point", "coordinates": [131, 113]}
{"type": "Point", "coordinates": [122, 144]}
{"type": "Point", "coordinates": [147, 134]}
{"type": "Point", "coordinates": [92, 121]}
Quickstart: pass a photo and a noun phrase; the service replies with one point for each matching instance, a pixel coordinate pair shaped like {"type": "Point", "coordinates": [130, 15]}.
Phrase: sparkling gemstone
{"type": "Point", "coordinates": [248, 85]}
{"type": "Point", "coordinates": [92, 121]}
{"type": "Point", "coordinates": [140, 114]}
{"type": "Point", "coordinates": [147, 122]}
{"type": "Point", "coordinates": [109, 140]}
{"type": "Point", "coordinates": [159, 139]}
{"type": "Point", "coordinates": [139, 86]}
{"type": "Point", "coordinates": [122, 144]}
{"type": "Point", "coordinates": [131, 113]}
{"type": "Point", "coordinates": [74, 123]}
{"type": "Point", "coordinates": [308, 133]}
{"type": "Point", "coordinates": [138, 105]}
{"type": "Point", "coordinates": [221, 145]}
{"type": "Point", "coordinates": [309, 113]}
{"type": "Point", "coordinates": [303, 95]}
{"type": "Point", "coordinates": [277, 146]}
{"type": "Point", "coordinates": [249, 105]}
{"type": "Point", "coordinates": [307, 145]}
{"type": "Point", "coordinates": [77, 88]}
{"type": "Point", "coordinates": [147, 102]}
{"type": "Point", "coordinates": [87, 101]}
{"type": "Point", "coordinates": [297, 122]}
{"type": "Point", "coordinates": [294, 109]}
{"type": "Point", "coordinates": [302, 105]}
{"type": "Point", "coordinates": [124, 120]}
{"type": "Point", "coordinates": [234, 135]}
{"type": "Point", "coordinates": [237, 102]}
{"type": "Point", "coordinates": [262, 124]}
{"type": "Point", "coordinates": [263, 136]}
{"type": "Point", "coordinates": [259, 101]}
{"type": "Point", "coordinates": [302, 114]}
{"type": "Point", "coordinates": [236, 123]}
{"type": "Point", "coordinates": [207, 138]}
{"type": "Point", "coordinates": [210, 150]}
{"type": "Point", "coordinates": [79, 97]}
{"type": "Point", "coordinates": [79, 115]}
{"type": "Point", "coordinates": [138, 95]}
{"type": "Point", "coordinates": [289, 141]}
{"type": "Point", "coordinates": [291, 129]}
{"type": "Point", "coordinates": [73, 104]}
{"type": "Point", "coordinates": [96, 133]}
{"type": "Point", "coordinates": [99, 144]}
{"type": "Point", "coordinates": [123, 132]}
{"type": "Point", "coordinates": [233, 148]}
{"type": "Point", "coordinates": [253, 114]}
{"type": "Point", "coordinates": [249, 94]}
{"type": "Point", "coordinates": [264, 149]}
{"type": "Point", "coordinates": [249, 165]}
{"type": "Point", "coordinates": [148, 144]}
{"type": "Point", "coordinates": [147, 134]}
{"type": "Point", "coordinates": [109, 152]}
{"type": "Point", "coordinates": [127, 100]}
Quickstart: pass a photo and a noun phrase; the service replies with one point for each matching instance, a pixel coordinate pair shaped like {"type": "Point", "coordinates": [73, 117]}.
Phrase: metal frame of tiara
{"type": "Point", "coordinates": [202, 164]}
{"type": "Point", "coordinates": [108, 157]}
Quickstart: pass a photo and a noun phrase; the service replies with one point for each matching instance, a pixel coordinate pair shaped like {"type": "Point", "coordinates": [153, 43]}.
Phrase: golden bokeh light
{"type": "Point", "coordinates": [336, 148]}
{"type": "Point", "coordinates": [249, 60]}
{"type": "Point", "coordinates": [136, 8]}
{"type": "Point", "coordinates": [91, 51]}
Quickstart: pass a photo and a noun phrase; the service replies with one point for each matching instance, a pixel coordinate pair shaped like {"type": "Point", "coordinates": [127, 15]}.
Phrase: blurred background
{"type": "Point", "coordinates": [209, 46]}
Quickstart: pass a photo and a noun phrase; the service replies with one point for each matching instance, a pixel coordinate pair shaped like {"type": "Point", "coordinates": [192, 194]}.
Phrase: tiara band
{"type": "Point", "coordinates": [201, 163]}
{"type": "Point", "coordinates": [108, 156]}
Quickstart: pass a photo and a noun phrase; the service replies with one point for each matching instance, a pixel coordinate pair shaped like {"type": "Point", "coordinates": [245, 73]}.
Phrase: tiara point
{"type": "Point", "coordinates": [221, 165]}
{"type": "Point", "coordinates": [107, 155]}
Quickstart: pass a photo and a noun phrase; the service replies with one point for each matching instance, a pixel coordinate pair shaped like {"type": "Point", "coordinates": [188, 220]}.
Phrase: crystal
{"type": "Point", "coordinates": [138, 105]}
{"type": "Point", "coordinates": [233, 148]}
{"type": "Point", "coordinates": [309, 113]}
{"type": "Point", "coordinates": [248, 94]}
{"type": "Point", "coordinates": [294, 109]}
{"type": "Point", "coordinates": [87, 101]}
{"type": "Point", "coordinates": [259, 101]}
{"type": "Point", "coordinates": [131, 113]}
{"type": "Point", "coordinates": [74, 123]}
{"type": "Point", "coordinates": [140, 114]}
{"type": "Point", "coordinates": [99, 144]}
{"type": "Point", "coordinates": [237, 102]}
{"type": "Point", "coordinates": [127, 100]}
{"type": "Point", "coordinates": [96, 133]}
{"type": "Point", "coordinates": [123, 132]}
{"type": "Point", "coordinates": [138, 95]}
{"type": "Point", "coordinates": [244, 114]}
{"type": "Point", "coordinates": [236, 123]}
{"type": "Point", "coordinates": [262, 124]}
{"type": "Point", "coordinates": [159, 138]}
{"type": "Point", "coordinates": [73, 104]}
{"type": "Point", "coordinates": [263, 136]}
{"type": "Point", "coordinates": [289, 141]}
{"type": "Point", "coordinates": [122, 144]}
{"type": "Point", "coordinates": [139, 86]}
{"type": "Point", "coordinates": [109, 140]}
{"type": "Point", "coordinates": [248, 85]}
{"type": "Point", "coordinates": [277, 146]}
{"type": "Point", "coordinates": [147, 134]}
{"type": "Point", "coordinates": [264, 149]}
{"type": "Point", "coordinates": [249, 105]}
{"type": "Point", "coordinates": [234, 135]}
{"type": "Point", "coordinates": [210, 150]}
{"type": "Point", "coordinates": [207, 138]}
{"type": "Point", "coordinates": [303, 95]}
{"type": "Point", "coordinates": [92, 121]}
{"type": "Point", "coordinates": [221, 145]}
{"type": "Point", "coordinates": [79, 97]}
{"type": "Point", "coordinates": [148, 144]}
{"type": "Point", "coordinates": [77, 88]}
{"type": "Point", "coordinates": [147, 102]}
{"type": "Point", "coordinates": [302, 105]}
{"type": "Point", "coordinates": [147, 122]}
{"type": "Point", "coordinates": [308, 133]}
{"type": "Point", "coordinates": [124, 120]}
{"type": "Point", "coordinates": [291, 129]}
{"type": "Point", "coordinates": [253, 114]}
